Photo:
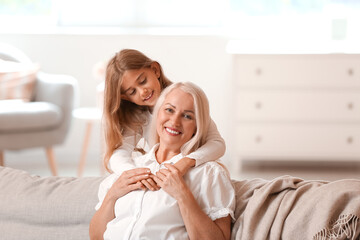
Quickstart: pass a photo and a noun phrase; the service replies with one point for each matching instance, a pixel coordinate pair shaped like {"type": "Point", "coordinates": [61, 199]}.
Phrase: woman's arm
{"type": "Point", "coordinates": [128, 181]}
{"type": "Point", "coordinates": [197, 223]}
{"type": "Point", "coordinates": [212, 150]}
{"type": "Point", "coordinates": [101, 217]}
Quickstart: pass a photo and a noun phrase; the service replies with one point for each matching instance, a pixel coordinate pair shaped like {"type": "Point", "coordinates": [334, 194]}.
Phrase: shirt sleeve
{"type": "Point", "coordinates": [121, 159]}
{"type": "Point", "coordinates": [217, 195]}
{"type": "Point", "coordinates": [212, 150]}
{"type": "Point", "coordinates": [104, 187]}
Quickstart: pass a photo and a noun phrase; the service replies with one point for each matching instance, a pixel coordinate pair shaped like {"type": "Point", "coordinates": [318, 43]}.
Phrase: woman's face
{"type": "Point", "coordinates": [176, 123]}
{"type": "Point", "coordinates": [141, 86]}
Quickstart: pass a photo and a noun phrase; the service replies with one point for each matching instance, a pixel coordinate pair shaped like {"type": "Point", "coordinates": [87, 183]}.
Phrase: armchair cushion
{"type": "Point", "coordinates": [18, 116]}
{"type": "Point", "coordinates": [17, 80]}
{"type": "Point", "coordinates": [53, 98]}
{"type": "Point", "coordinates": [55, 90]}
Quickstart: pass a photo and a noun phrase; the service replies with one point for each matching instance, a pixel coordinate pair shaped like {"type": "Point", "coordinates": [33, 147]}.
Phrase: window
{"type": "Point", "coordinates": [25, 7]}
{"type": "Point", "coordinates": [25, 13]}
{"type": "Point", "coordinates": [141, 13]}
{"type": "Point", "coordinates": [301, 19]}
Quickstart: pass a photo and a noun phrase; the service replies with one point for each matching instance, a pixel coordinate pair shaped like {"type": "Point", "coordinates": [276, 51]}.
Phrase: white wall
{"type": "Point", "coordinates": [197, 58]}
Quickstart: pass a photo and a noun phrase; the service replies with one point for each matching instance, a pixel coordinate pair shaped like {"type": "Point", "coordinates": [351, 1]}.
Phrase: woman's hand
{"type": "Point", "coordinates": [129, 181]}
{"type": "Point", "coordinates": [171, 181]}
{"type": "Point", "coordinates": [150, 184]}
{"type": "Point", "coordinates": [197, 223]}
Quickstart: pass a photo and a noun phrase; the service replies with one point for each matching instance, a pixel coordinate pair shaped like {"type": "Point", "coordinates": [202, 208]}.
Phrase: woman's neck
{"type": "Point", "coordinates": [163, 154]}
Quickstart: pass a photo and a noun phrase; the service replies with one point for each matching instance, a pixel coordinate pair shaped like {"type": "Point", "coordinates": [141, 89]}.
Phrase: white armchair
{"type": "Point", "coordinates": [44, 121]}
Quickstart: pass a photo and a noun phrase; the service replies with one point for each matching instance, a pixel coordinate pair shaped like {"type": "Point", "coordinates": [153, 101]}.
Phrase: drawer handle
{"type": "Point", "coordinates": [350, 140]}
{"type": "Point", "coordinates": [258, 105]}
{"type": "Point", "coordinates": [258, 139]}
{"type": "Point", "coordinates": [350, 72]}
{"type": "Point", "coordinates": [258, 71]}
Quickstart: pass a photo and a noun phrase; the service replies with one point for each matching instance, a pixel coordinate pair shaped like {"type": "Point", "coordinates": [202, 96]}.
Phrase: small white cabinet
{"type": "Point", "coordinates": [297, 106]}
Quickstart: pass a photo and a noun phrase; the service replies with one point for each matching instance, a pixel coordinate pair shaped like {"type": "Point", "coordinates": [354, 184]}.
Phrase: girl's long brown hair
{"type": "Point", "coordinates": [121, 114]}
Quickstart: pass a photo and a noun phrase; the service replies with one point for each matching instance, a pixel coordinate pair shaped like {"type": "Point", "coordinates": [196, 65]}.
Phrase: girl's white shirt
{"type": "Point", "coordinates": [121, 159]}
{"type": "Point", "coordinates": [155, 214]}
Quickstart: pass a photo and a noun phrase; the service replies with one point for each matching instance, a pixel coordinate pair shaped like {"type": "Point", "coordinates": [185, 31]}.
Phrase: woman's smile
{"type": "Point", "coordinates": [172, 131]}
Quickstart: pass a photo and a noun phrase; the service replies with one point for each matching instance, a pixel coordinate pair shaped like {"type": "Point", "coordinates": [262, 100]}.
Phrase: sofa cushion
{"type": "Point", "coordinates": [19, 116]}
{"type": "Point", "coordinates": [33, 207]}
{"type": "Point", "coordinates": [17, 80]}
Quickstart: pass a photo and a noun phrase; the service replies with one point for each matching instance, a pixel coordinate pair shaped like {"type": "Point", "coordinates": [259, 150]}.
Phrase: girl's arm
{"type": "Point", "coordinates": [128, 181]}
{"type": "Point", "coordinates": [121, 159]}
{"type": "Point", "coordinates": [197, 223]}
{"type": "Point", "coordinates": [212, 150]}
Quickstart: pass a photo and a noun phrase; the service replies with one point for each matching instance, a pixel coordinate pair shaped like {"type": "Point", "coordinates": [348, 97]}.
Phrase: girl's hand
{"type": "Point", "coordinates": [184, 164]}
{"type": "Point", "coordinates": [150, 184]}
{"type": "Point", "coordinates": [171, 181]}
{"type": "Point", "coordinates": [128, 181]}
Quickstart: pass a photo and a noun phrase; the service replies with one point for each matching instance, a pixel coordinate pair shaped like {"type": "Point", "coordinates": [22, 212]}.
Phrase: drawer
{"type": "Point", "coordinates": [298, 105]}
{"type": "Point", "coordinates": [297, 70]}
{"type": "Point", "coordinates": [298, 141]}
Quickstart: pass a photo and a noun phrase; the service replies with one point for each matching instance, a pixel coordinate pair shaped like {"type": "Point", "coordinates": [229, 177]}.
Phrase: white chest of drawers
{"type": "Point", "coordinates": [297, 106]}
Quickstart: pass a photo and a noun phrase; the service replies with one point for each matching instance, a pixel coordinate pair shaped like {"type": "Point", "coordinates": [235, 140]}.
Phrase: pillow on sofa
{"type": "Point", "coordinates": [17, 80]}
{"type": "Point", "coordinates": [51, 208]}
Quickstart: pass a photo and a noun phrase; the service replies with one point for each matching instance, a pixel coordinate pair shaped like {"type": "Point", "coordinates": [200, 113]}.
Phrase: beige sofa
{"type": "Point", "coordinates": [33, 207]}
{"type": "Point", "coordinates": [60, 208]}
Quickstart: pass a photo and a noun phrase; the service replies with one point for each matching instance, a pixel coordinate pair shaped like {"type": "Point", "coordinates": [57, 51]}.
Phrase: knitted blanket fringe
{"type": "Point", "coordinates": [343, 228]}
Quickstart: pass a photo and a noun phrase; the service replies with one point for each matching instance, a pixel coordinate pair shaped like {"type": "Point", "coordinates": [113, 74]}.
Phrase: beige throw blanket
{"type": "Point", "coordinates": [290, 208]}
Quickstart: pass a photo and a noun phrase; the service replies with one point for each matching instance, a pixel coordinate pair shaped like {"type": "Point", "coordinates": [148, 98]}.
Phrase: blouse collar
{"type": "Point", "coordinates": [172, 160]}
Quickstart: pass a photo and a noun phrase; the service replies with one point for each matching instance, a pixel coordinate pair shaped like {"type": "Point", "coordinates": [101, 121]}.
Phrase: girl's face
{"type": "Point", "coordinates": [141, 86]}
{"type": "Point", "coordinates": [176, 123]}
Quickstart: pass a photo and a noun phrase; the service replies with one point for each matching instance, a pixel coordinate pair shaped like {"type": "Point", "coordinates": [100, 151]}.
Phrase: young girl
{"type": "Point", "coordinates": [132, 86]}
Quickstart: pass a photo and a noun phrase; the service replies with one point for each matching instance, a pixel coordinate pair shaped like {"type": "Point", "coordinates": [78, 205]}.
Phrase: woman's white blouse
{"type": "Point", "coordinates": [155, 214]}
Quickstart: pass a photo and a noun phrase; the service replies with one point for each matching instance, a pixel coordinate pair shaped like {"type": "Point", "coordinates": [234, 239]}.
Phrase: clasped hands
{"type": "Point", "coordinates": [169, 179]}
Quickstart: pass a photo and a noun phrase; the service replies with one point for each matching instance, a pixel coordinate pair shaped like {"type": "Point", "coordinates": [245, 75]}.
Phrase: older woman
{"type": "Point", "coordinates": [198, 205]}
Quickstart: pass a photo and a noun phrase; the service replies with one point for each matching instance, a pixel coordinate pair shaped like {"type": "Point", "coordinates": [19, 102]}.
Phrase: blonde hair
{"type": "Point", "coordinates": [202, 116]}
{"type": "Point", "coordinates": [120, 114]}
